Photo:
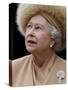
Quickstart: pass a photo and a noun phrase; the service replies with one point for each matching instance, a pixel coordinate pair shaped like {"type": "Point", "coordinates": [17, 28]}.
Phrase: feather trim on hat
{"type": "Point", "coordinates": [56, 16]}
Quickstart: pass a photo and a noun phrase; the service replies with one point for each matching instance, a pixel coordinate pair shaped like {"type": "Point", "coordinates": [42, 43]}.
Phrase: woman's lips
{"type": "Point", "coordinates": [31, 42]}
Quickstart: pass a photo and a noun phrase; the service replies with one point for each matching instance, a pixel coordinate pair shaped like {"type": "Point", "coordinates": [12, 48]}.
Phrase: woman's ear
{"type": "Point", "coordinates": [52, 42]}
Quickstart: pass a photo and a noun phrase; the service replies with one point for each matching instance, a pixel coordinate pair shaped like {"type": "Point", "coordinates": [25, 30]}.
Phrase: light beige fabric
{"type": "Point", "coordinates": [26, 72]}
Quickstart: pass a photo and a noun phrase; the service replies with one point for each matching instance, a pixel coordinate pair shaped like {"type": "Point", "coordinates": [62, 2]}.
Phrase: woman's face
{"type": "Point", "coordinates": [37, 36]}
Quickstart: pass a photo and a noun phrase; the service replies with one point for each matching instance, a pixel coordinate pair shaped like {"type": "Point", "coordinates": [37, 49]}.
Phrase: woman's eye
{"type": "Point", "coordinates": [38, 27]}
{"type": "Point", "coordinates": [29, 26]}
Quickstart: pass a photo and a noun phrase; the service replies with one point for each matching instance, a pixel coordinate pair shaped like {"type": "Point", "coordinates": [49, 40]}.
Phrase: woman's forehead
{"type": "Point", "coordinates": [38, 19]}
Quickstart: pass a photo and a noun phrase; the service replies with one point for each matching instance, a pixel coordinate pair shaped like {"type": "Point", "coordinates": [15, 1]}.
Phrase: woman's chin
{"type": "Point", "coordinates": [31, 49]}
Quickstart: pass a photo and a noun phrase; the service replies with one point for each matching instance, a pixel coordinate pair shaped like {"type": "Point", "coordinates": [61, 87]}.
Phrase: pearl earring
{"type": "Point", "coordinates": [51, 45]}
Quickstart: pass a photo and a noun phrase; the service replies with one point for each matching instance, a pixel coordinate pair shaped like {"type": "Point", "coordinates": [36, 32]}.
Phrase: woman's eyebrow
{"type": "Point", "coordinates": [35, 23]}
{"type": "Point", "coordinates": [29, 23]}
{"type": "Point", "coordinates": [39, 24]}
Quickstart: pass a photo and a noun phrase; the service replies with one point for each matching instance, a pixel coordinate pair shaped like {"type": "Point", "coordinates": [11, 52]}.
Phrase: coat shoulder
{"type": "Point", "coordinates": [20, 62]}
{"type": "Point", "coordinates": [60, 62]}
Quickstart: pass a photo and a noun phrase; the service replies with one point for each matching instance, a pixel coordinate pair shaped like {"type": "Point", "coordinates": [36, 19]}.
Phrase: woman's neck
{"type": "Point", "coordinates": [42, 57]}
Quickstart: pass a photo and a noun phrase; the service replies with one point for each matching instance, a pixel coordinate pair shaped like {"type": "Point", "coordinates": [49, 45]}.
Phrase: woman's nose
{"type": "Point", "coordinates": [31, 31]}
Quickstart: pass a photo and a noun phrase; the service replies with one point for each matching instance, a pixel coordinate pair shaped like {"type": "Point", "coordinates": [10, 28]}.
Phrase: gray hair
{"type": "Point", "coordinates": [56, 34]}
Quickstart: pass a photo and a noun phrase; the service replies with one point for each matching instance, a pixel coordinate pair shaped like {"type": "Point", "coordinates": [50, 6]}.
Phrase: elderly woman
{"type": "Point", "coordinates": [44, 31]}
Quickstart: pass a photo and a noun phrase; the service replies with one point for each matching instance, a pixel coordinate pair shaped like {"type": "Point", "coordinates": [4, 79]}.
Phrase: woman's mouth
{"type": "Point", "coordinates": [31, 42]}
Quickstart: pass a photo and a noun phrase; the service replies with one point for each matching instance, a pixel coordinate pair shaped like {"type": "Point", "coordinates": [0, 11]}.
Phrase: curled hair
{"type": "Point", "coordinates": [56, 35]}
